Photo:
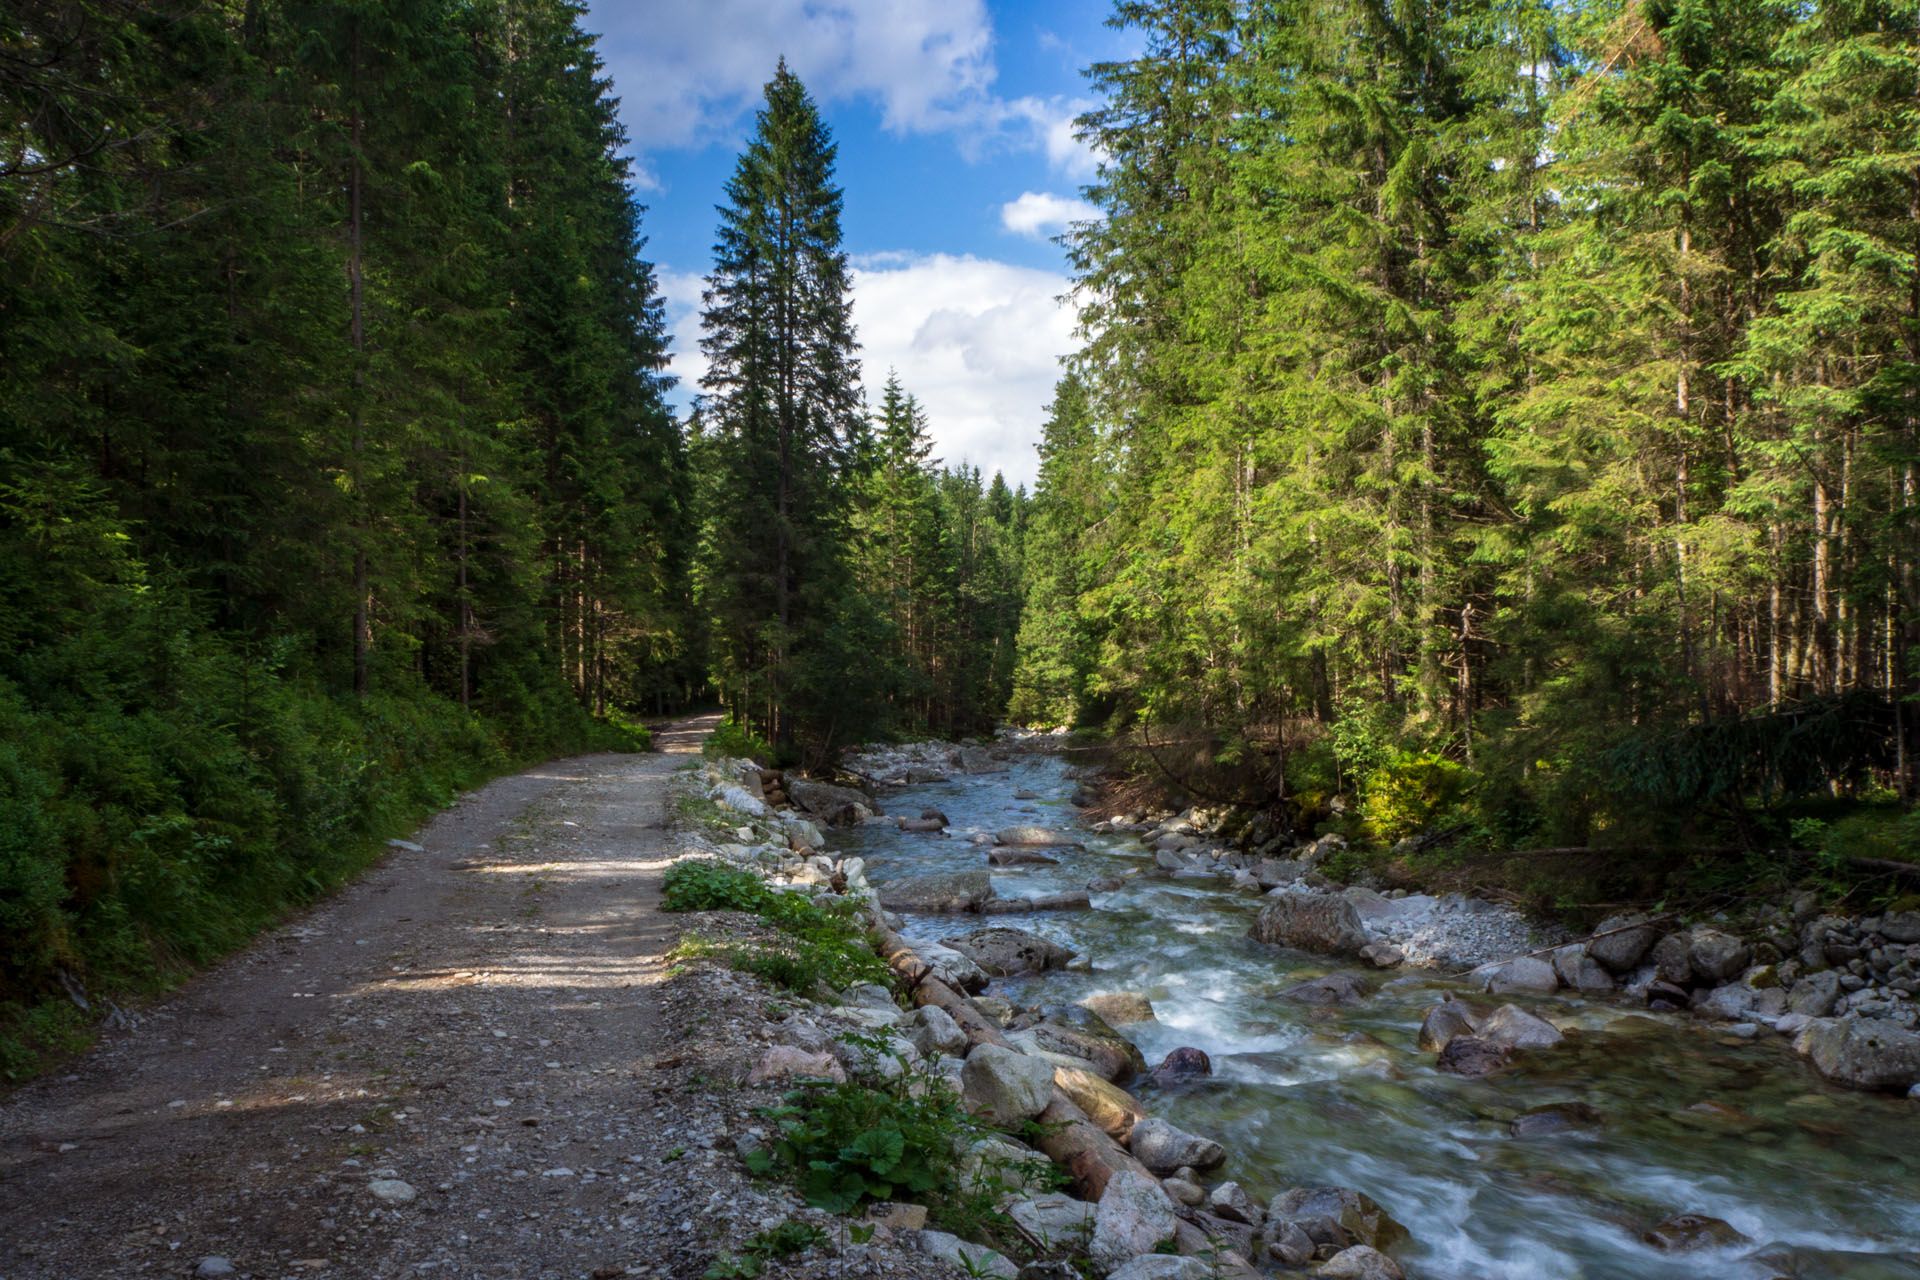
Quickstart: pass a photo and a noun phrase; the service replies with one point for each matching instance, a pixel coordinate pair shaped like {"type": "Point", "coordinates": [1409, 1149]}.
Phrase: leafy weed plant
{"type": "Point", "coordinates": [824, 946]}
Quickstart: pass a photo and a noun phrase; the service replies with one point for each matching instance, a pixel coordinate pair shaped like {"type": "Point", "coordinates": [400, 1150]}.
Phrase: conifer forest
{"type": "Point", "coordinates": [1495, 427]}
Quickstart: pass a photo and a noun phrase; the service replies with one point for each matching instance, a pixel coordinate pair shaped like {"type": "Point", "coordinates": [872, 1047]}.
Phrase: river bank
{"type": "Point", "coordinates": [1426, 1148]}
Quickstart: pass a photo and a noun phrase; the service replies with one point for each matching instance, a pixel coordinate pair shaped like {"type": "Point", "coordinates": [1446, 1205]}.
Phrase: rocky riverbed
{"type": "Point", "coordinates": [1655, 1114]}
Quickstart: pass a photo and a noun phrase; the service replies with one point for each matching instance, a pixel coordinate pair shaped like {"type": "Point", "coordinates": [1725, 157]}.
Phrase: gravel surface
{"type": "Point", "coordinates": [475, 1061]}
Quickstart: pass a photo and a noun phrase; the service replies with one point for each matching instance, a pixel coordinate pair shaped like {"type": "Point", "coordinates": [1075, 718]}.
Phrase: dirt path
{"type": "Point", "coordinates": [475, 1018]}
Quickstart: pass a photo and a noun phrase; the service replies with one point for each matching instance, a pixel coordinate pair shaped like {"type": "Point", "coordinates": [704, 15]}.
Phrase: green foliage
{"type": "Point", "coordinates": [733, 739]}
{"type": "Point", "coordinates": [1409, 793]}
{"type": "Point", "coordinates": [848, 1143]}
{"type": "Point", "coordinates": [782, 1241]}
{"type": "Point", "coordinates": [823, 948]}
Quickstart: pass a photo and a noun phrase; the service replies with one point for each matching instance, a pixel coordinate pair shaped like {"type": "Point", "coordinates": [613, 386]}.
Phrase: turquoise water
{"type": "Point", "coordinates": [1348, 1098]}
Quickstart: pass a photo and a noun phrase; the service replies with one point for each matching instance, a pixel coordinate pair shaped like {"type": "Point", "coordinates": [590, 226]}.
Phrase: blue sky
{"type": "Point", "coordinates": [953, 119]}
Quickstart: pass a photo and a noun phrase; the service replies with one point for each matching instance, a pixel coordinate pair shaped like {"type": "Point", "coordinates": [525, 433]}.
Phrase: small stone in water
{"type": "Point", "coordinates": [1689, 1231]}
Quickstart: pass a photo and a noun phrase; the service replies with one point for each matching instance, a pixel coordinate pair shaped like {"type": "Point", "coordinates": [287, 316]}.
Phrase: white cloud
{"type": "Point", "coordinates": [977, 341]}
{"type": "Point", "coordinates": [691, 74]}
{"type": "Point", "coordinates": [1040, 213]}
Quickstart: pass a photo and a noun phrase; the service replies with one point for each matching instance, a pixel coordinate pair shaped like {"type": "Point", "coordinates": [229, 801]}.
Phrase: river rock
{"type": "Point", "coordinates": [214, 1265]}
{"type": "Point", "coordinates": [1672, 956]}
{"type": "Point", "coordinates": [1018, 856]}
{"type": "Point", "coordinates": [1323, 923]}
{"type": "Point", "coordinates": [1120, 1007]}
{"type": "Point", "coordinates": [921, 826]}
{"type": "Point", "coordinates": [1622, 942]}
{"type": "Point", "coordinates": [1164, 1148]}
{"type": "Point", "coordinates": [1554, 1118]}
{"type": "Point", "coordinates": [1815, 995]}
{"type": "Point", "coordinates": [1361, 1263]}
{"type": "Point", "coordinates": [1162, 1266]}
{"type": "Point", "coordinates": [1112, 1109]}
{"type": "Point", "coordinates": [1330, 990]}
{"type": "Point", "coordinates": [1900, 926]}
{"type": "Point", "coordinates": [974, 1259]}
{"type": "Point", "coordinates": [1522, 973]}
{"type": "Point", "coordinates": [1182, 1066]}
{"type": "Point", "coordinates": [1081, 1033]}
{"type": "Point", "coordinates": [1512, 1027]}
{"type": "Point", "coordinates": [1005, 952]}
{"type": "Point", "coordinates": [1715, 956]}
{"type": "Point", "coordinates": [1184, 1192]}
{"type": "Point", "coordinates": [741, 800]}
{"type": "Point", "coordinates": [1000, 1166]}
{"type": "Point", "coordinates": [934, 1032]}
{"type": "Point", "coordinates": [1579, 971]}
{"type": "Point", "coordinates": [1054, 1221]}
{"type": "Point", "coordinates": [952, 968]}
{"type": "Point", "coordinates": [977, 760]}
{"type": "Point", "coordinates": [835, 806]}
{"type": "Point", "coordinates": [1689, 1231]}
{"type": "Point", "coordinates": [1040, 836]}
{"type": "Point", "coordinates": [1730, 1003]}
{"type": "Point", "coordinates": [1383, 955]}
{"type": "Point", "coordinates": [1230, 1200]}
{"type": "Point", "coordinates": [1273, 873]}
{"type": "Point", "coordinates": [1472, 1057]}
{"type": "Point", "coordinates": [916, 776]}
{"type": "Point", "coordinates": [948, 894]}
{"type": "Point", "coordinates": [1443, 1022]}
{"type": "Point", "coordinates": [1065, 900]}
{"type": "Point", "coordinates": [1337, 1216]}
{"type": "Point", "coordinates": [1287, 1242]}
{"type": "Point", "coordinates": [1863, 1052]}
{"type": "Point", "coordinates": [1004, 1084]}
{"type": "Point", "coordinates": [1134, 1217]}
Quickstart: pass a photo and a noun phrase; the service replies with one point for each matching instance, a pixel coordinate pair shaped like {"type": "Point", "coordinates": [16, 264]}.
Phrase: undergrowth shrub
{"type": "Point", "coordinates": [823, 947]}
{"type": "Point", "coordinates": [1409, 793]}
{"type": "Point", "coordinates": [732, 740]}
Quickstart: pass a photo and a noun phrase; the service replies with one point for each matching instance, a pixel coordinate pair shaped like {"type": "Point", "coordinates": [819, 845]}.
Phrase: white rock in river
{"type": "Point", "coordinates": [1007, 1085]}
{"type": "Point", "coordinates": [1134, 1217]}
{"type": "Point", "coordinates": [1512, 1027]}
{"type": "Point", "coordinates": [391, 1191]}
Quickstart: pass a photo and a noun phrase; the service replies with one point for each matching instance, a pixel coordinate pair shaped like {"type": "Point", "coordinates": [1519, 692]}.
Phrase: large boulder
{"type": "Point", "coordinates": [835, 806]}
{"type": "Point", "coordinates": [1000, 1166]}
{"type": "Point", "coordinates": [1053, 1221]}
{"type": "Point", "coordinates": [1522, 973]}
{"type": "Point", "coordinates": [1472, 1057]}
{"type": "Point", "coordinates": [1134, 1217]}
{"type": "Point", "coordinates": [1335, 989]}
{"type": "Point", "coordinates": [1182, 1066]}
{"type": "Point", "coordinates": [1005, 952]}
{"type": "Point", "coordinates": [1323, 923]}
{"type": "Point", "coordinates": [1443, 1022]}
{"type": "Point", "coordinates": [974, 1259]}
{"type": "Point", "coordinates": [1361, 1263]}
{"type": "Point", "coordinates": [1900, 926]}
{"type": "Point", "coordinates": [1815, 995]}
{"type": "Point", "coordinates": [1337, 1216]}
{"type": "Point", "coordinates": [1112, 1109]}
{"type": "Point", "coordinates": [1081, 1033]}
{"type": "Point", "coordinates": [1512, 1027]}
{"type": "Point", "coordinates": [951, 893]}
{"type": "Point", "coordinates": [934, 1033]}
{"type": "Point", "coordinates": [1673, 957]}
{"type": "Point", "coordinates": [977, 760]}
{"type": "Point", "coordinates": [1165, 1148]}
{"type": "Point", "coordinates": [952, 968]}
{"type": "Point", "coordinates": [1864, 1053]}
{"type": "Point", "coordinates": [1120, 1006]}
{"type": "Point", "coordinates": [1163, 1266]}
{"type": "Point", "coordinates": [1715, 956]}
{"type": "Point", "coordinates": [1005, 1085]}
{"type": "Point", "coordinates": [1580, 971]}
{"type": "Point", "coordinates": [1622, 942]}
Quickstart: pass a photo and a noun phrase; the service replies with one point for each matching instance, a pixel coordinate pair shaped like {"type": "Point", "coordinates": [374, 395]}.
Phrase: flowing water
{"type": "Point", "coordinates": [1825, 1181]}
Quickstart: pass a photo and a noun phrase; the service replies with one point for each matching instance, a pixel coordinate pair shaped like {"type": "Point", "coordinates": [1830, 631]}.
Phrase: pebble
{"type": "Point", "coordinates": [214, 1265]}
{"type": "Point", "coordinates": [391, 1191]}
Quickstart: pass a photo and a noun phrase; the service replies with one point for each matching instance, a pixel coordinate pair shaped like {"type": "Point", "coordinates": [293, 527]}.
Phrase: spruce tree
{"type": "Point", "coordinates": [782, 406]}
